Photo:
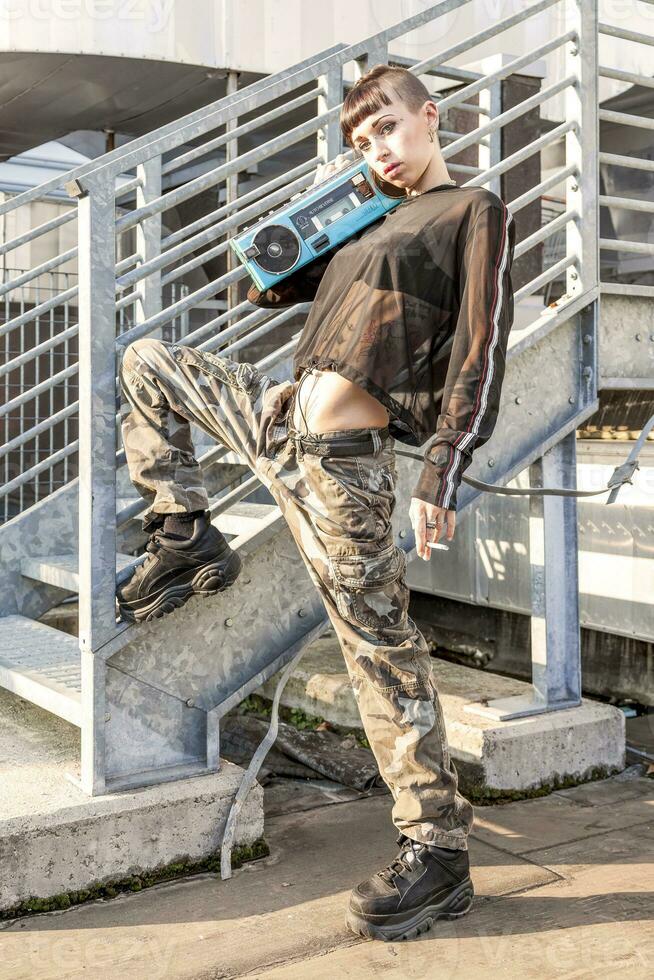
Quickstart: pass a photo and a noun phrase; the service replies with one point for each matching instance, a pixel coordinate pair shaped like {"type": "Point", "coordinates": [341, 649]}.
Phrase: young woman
{"type": "Point", "coordinates": [406, 339]}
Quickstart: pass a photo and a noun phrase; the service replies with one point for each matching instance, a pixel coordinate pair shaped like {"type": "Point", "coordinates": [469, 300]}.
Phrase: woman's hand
{"type": "Point", "coordinates": [326, 170]}
{"type": "Point", "coordinates": [420, 513]}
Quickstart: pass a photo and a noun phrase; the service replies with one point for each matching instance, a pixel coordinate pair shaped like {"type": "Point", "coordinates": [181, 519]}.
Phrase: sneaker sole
{"type": "Point", "coordinates": [208, 580]}
{"type": "Point", "coordinates": [395, 928]}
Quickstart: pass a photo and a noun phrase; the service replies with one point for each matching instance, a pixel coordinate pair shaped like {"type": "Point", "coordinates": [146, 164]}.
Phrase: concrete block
{"type": "Point", "coordinates": [492, 758]}
{"type": "Point", "coordinates": [320, 684]}
{"type": "Point", "coordinates": [54, 839]}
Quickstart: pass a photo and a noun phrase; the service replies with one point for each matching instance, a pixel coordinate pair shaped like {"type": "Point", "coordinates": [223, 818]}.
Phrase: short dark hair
{"type": "Point", "coordinates": [368, 95]}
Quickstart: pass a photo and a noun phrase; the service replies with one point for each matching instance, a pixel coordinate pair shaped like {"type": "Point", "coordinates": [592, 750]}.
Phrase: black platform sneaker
{"type": "Point", "coordinates": [176, 569]}
{"type": "Point", "coordinates": [422, 884]}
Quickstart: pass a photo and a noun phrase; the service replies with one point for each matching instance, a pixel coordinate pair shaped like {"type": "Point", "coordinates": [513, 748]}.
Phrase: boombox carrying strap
{"type": "Point", "coordinates": [621, 474]}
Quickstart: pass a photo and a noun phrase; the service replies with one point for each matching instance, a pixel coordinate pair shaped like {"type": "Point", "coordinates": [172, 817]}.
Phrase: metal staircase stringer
{"type": "Point", "coordinates": [213, 653]}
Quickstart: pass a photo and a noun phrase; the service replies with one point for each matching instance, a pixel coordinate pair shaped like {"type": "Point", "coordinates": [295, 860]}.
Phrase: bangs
{"type": "Point", "coordinates": [360, 103]}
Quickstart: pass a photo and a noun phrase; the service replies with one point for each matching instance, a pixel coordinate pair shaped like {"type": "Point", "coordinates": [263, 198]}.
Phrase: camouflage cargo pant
{"type": "Point", "coordinates": [338, 509]}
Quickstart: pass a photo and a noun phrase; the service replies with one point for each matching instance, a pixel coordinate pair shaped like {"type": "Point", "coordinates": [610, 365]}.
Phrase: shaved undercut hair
{"type": "Point", "coordinates": [370, 94]}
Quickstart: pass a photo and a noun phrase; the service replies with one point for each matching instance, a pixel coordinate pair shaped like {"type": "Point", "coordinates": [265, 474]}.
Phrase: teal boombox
{"type": "Point", "coordinates": [317, 220]}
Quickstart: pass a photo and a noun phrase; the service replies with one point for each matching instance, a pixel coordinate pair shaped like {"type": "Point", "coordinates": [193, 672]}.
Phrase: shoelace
{"type": "Point", "coordinates": [155, 541]}
{"type": "Point", "coordinates": [404, 861]}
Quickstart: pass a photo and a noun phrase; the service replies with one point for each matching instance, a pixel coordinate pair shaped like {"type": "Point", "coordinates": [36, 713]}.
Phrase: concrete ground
{"type": "Point", "coordinates": [564, 888]}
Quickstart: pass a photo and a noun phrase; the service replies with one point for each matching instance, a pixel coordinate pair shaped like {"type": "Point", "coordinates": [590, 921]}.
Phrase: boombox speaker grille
{"type": "Point", "coordinates": [279, 248]}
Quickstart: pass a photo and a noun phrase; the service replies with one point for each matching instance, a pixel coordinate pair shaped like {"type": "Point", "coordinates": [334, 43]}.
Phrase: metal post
{"type": "Point", "coordinates": [97, 411]}
{"type": "Point", "coordinates": [231, 191]}
{"type": "Point", "coordinates": [148, 241]}
{"type": "Point", "coordinates": [581, 148]}
{"type": "Point", "coordinates": [553, 551]}
{"type": "Point", "coordinates": [97, 453]}
{"type": "Point", "coordinates": [490, 98]}
{"type": "Point", "coordinates": [329, 136]}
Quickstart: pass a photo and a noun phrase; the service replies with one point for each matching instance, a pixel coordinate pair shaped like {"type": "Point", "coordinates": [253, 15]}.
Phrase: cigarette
{"type": "Point", "coordinates": [435, 544]}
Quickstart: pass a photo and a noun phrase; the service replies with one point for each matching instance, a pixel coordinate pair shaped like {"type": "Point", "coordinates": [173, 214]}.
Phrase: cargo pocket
{"type": "Point", "coordinates": [370, 590]}
{"type": "Point", "coordinates": [368, 483]}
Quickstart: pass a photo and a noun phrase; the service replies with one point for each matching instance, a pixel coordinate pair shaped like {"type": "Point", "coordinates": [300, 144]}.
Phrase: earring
{"type": "Point", "coordinates": [431, 135]}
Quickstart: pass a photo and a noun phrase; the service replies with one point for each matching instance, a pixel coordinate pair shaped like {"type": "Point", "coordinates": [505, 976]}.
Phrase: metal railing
{"type": "Point", "coordinates": [135, 240]}
{"type": "Point", "coordinates": [37, 419]}
{"type": "Point", "coordinates": [641, 199]}
{"type": "Point", "coordinates": [314, 92]}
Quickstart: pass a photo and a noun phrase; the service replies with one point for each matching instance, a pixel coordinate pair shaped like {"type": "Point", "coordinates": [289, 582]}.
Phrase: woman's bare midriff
{"type": "Point", "coordinates": [330, 403]}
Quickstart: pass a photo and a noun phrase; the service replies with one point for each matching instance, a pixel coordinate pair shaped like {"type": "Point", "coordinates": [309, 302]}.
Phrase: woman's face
{"type": "Point", "coordinates": [394, 141]}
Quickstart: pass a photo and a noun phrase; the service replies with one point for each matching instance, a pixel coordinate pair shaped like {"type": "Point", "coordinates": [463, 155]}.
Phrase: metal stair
{"type": "Point", "coordinates": [149, 698]}
{"type": "Point", "coordinates": [42, 665]}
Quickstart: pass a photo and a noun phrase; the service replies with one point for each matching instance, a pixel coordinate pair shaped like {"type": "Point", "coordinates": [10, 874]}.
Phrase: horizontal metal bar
{"type": "Point", "coordinates": [449, 135]}
{"type": "Point", "coordinates": [625, 34]}
{"type": "Point", "coordinates": [464, 168]}
{"type": "Point", "coordinates": [618, 245]}
{"type": "Point", "coordinates": [626, 203]}
{"type": "Point", "coordinates": [37, 311]}
{"type": "Point", "coordinates": [214, 144]}
{"type": "Point", "coordinates": [627, 289]}
{"type": "Point", "coordinates": [625, 384]}
{"type": "Point", "coordinates": [33, 392]}
{"type": "Point", "coordinates": [523, 154]}
{"type": "Point", "coordinates": [251, 319]}
{"type": "Point", "coordinates": [128, 186]}
{"type": "Point", "coordinates": [128, 300]}
{"type": "Point", "coordinates": [556, 224]}
{"type": "Point", "coordinates": [505, 71]}
{"type": "Point", "coordinates": [626, 76]}
{"type": "Point", "coordinates": [45, 464]}
{"type": "Point", "coordinates": [193, 338]}
{"type": "Point", "coordinates": [38, 270]}
{"type": "Point", "coordinates": [626, 119]}
{"type": "Point", "coordinates": [224, 503]}
{"type": "Point", "coordinates": [37, 351]}
{"type": "Point", "coordinates": [471, 107]}
{"type": "Point", "coordinates": [36, 430]}
{"type": "Point", "coordinates": [508, 116]}
{"type": "Point", "coordinates": [257, 193]}
{"type": "Point", "coordinates": [47, 226]}
{"type": "Point", "coordinates": [632, 163]}
{"type": "Point", "coordinates": [182, 270]}
{"type": "Point", "coordinates": [544, 278]}
{"type": "Point", "coordinates": [558, 207]}
{"type": "Point", "coordinates": [540, 189]}
{"type": "Point", "coordinates": [127, 263]}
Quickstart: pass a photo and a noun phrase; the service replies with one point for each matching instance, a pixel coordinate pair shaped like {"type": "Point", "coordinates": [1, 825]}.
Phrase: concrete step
{"type": "Point", "coordinates": [493, 758]}
{"type": "Point", "coordinates": [42, 665]}
{"type": "Point", "coordinates": [57, 839]}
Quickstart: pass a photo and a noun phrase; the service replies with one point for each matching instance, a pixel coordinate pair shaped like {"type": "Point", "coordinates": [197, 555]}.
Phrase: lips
{"type": "Point", "coordinates": [390, 168]}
